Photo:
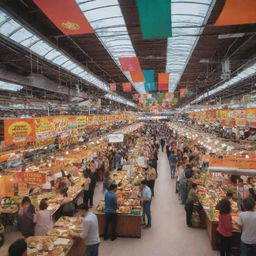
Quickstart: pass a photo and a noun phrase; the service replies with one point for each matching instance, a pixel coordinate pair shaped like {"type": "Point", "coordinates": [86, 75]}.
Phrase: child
{"type": "Point", "coordinates": [225, 227]}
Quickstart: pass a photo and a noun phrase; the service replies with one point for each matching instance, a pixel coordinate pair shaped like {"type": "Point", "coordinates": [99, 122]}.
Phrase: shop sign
{"type": "Point", "coordinates": [23, 189]}
{"type": "Point", "coordinates": [239, 163]}
{"type": "Point", "coordinates": [19, 131]}
{"type": "Point", "coordinates": [31, 177]}
{"type": "Point", "coordinates": [114, 138]}
{"type": "Point", "coordinates": [44, 128]}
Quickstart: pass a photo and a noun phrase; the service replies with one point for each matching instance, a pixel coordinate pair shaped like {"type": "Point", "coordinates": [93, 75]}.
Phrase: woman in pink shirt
{"type": "Point", "coordinates": [225, 227]}
{"type": "Point", "coordinates": [43, 219]}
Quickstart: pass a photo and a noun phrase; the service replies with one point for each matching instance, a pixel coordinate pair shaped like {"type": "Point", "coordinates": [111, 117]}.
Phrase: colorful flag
{"type": "Point", "coordinates": [130, 64]}
{"type": "Point", "coordinates": [150, 84]}
{"type": "Point", "coordinates": [113, 87]}
{"type": "Point", "coordinates": [163, 81]}
{"type": "Point", "coordinates": [127, 87]}
{"type": "Point", "coordinates": [155, 18]}
{"type": "Point", "coordinates": [66, 16]}
{"type": "Point", "coordinates": [137, 76]}
{"type": "Point", "coordinates": [236, 12]}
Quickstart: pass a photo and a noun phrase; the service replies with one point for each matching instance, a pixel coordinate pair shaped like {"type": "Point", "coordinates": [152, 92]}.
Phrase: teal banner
{"type": "Point", "coordinates": [155, 18]}
{"type": "Point", "coordinates": [149, 76]}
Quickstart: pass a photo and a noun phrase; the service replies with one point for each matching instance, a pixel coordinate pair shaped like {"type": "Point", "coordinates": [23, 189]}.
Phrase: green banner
{"type": "Point", "coordinates": [155, 18]}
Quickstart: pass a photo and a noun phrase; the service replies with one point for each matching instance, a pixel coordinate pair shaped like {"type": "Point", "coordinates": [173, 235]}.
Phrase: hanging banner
{"type": "Point", "coordinates": [236, 12]}
{"type": "Point", "coordinates": [81, 122]}
{"type": "Point", "coordinates": [183, 92]}
{"type": "Point", "coordinates": [137, 76]}
{"type": "Point", "coordinates": [251, 117]}
{"type": "Point", "coordinates": [113, 87]}
{"type": "Point", "coordinates": [30, 177]}
{"type": "Point", "coordinates": [19, 131]}
{"type": "Point", "coordinates": [127, 87]}
{"type": "Point", "coordinates": [150, 84]}
{"type": "Point", "coordinates": [44, 128]}
{"type": "Point", "coordinates": [6, 186]}
{"type": "Point", "coordinates": [130, 64]}
{"type": "Point", "coordinates": [155, 18]}
{"type": "Point", "coordinates": [66, 16]}
{"type": "Point", "coordinates": [163, 81]}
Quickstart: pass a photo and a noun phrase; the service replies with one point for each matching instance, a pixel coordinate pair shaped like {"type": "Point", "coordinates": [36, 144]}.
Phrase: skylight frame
{"type": "Point", "coordinates": [10, 86]}
{"type": "Point", "coordinates": [178, 52]}
{"type": "Point", "coordinates": [30, 43]}
{"type": "Point", "coordinates": [106, 33]}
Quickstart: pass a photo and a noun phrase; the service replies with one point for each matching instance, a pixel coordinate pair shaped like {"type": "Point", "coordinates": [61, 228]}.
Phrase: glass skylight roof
{"type": "Point", "coordinates": [187, 18]}
{"type": "Point", "coordinates": [119, 99]}
{"type": "Point", "coordinates": [21, 35]}
{"type": "Point", "coordinates": [7, 86]}
{"type": "Point", "coordinates": [246, 73]}
{"type": "Point", "coordinates": [107, 20]}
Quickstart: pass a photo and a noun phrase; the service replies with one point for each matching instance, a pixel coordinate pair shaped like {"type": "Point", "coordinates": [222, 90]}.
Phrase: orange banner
{"type": "Point", "coordinates": [237, 12]}
{"type": "Point", "coordinates": [66, 16]}
{"type": "Point", "coordinates": [239, 163]}
{"type": "Point", "coordinates": [137, 76]}
{"type": "Point", "coordinates": [7, 186]}
{"type": "Point", "coordinates": [19, 131]}
{"type": "Point", "coordinates": [30, 177]}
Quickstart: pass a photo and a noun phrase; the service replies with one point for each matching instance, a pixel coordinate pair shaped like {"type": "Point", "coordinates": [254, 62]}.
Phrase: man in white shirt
{"type": "Point", "coordinates": [146, 196]}
{"type": "Point", "coordinates": [90, 232]}
{"type": "Point", "coordinates": [247, 223]}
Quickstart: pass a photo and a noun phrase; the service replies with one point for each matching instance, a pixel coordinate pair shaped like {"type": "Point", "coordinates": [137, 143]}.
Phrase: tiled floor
{"type": "Point", "coordinates": [169, 236]}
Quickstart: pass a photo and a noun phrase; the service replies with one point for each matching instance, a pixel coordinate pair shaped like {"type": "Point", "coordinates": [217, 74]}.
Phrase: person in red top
{"type": "Point", "coordinates": [225, 227]}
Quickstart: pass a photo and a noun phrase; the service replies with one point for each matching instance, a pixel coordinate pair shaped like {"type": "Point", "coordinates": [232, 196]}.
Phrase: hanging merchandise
{"type": "Point", "coordinates": [137, 76]}
{"type": "Point", "coordinates": [150, 84]}
{"type": "Point", "coordinates": [183, 92]}
{"type": "Point", "coordinates": [113, 87]}
{"type": "Point", "coordinates": [236, 12]}
{"type": "Point", "coordinates": [127, 87]}
{"type": "Point", "coordinates": [66, 16]}
{"type": "Point", "coordinates": [155, 18]}
{"type": "Point", "coordinates": [163, 81]}
{"type": "Point", "coordinates": [130, 64]}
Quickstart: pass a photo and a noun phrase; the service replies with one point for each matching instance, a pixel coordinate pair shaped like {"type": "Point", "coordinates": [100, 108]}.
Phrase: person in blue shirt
{"type": "Point", "coordinates": [146, 196]}
{"type": "Point", "coordinates": [110, 211]}
{"type": "Point", "coordinates": [173, 163]}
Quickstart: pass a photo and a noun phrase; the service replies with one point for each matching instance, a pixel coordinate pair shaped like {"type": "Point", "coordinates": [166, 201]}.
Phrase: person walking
{"type": "Point", "coordinates": [173, 163]}
{"type": "Point", "coordinates": [90, 233]}
{"type": "Point", "coordinates": [146, 197]}
{"type": "Point", "coordinates": [162, 142]}
{"type": "Point", "coordinates": [110, 211]}
{"type": "Point", "coordinates": [225, 227]}
{"type": "Point", "coordinates": [151, 178]}
{"type": "Point", "coordinates": [247, 223]}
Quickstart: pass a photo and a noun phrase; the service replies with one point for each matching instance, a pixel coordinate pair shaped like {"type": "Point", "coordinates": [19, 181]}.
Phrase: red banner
{"type": "Point", "coordinates": [237, 12]}
{"type": "Point", "coordinates": [137, 76]}
{"type": "Point", "coordinates": [127, 87]}
{"type": "Point", "coordinates": [30, 177]}
{"type": "Point", "coordinates": [130, 64]}
{"type": "Point", "coordinates": [163, 87]}
{"type": "Point", "coordinates": [66, 16]}
{"type": "Point", "coordinates": [113, 87]}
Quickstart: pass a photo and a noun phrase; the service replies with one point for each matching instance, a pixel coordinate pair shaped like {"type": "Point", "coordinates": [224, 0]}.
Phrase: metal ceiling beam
{"type": "Point", "coordinates": [40, 82]}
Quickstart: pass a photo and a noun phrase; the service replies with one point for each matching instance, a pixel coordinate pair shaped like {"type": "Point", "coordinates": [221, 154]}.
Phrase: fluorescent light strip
{"type": "Point", "coordinates": [23, 36]}
{"type": "Point", "coordinates": [246, 73]}
{"type": "Point", "coordinates": [191, 14]}
{"type": "Point", "coordinates": [107, 20]}
{"type": "Point", "coordinates": [119, 99]}
{"type": "Point", "coordinates": [7, 86]}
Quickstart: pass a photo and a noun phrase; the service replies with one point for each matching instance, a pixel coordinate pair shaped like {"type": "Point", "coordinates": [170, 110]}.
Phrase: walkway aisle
{"type": "Point", "coordinates": [169, 236]}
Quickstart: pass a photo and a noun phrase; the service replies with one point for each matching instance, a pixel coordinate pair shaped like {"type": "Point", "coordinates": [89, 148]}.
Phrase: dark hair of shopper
{"type": "Point", "coordinates": [43, 204]}
{"type": "Point", "coordinates": [17, 248]}
{"type": "Point", "coordinates": [229, 194]}
{"type": "Point", "coordinates": [240, 180]}
{"type": "Point", "coordinates": [25, 200]}
{"type": "Point", "coordinates": [83, 207]}
{"type": "Point", "coordinates": [194, 185]}
{"type": "Point", "coordinates": [143, 182]}
{"type": "Point", "coordinates": [224, 206]}
{"type": "Point", "coordinates": [112, 187]}
{"type": "Point", "coordinates": [249, 204]}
